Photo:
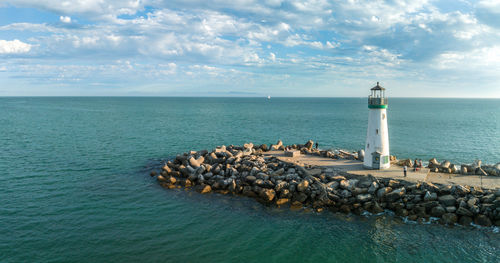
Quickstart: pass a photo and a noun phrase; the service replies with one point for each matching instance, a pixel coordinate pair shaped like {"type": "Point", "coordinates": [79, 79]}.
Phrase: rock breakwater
{"type": "Point", "coordinates": [247, 171]}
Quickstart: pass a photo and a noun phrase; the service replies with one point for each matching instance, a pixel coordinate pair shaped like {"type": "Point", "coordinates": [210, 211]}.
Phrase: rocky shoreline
{"type": "Point", "coordinates": [244, 170]}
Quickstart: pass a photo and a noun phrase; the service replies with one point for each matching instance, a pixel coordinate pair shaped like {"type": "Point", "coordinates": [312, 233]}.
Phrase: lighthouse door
{"type": "Point", "coordinates": [376, 160]}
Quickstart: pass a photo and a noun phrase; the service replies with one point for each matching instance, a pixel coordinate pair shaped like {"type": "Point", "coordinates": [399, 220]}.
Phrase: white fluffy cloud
{"type": "Point", "coordinates": [65, 19]}
{"type": "Point", "coordinates": [14, 47]}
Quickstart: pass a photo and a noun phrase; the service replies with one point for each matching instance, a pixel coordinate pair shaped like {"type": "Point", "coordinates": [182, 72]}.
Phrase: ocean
{"type": "Point", "coordinates": [75, 184]}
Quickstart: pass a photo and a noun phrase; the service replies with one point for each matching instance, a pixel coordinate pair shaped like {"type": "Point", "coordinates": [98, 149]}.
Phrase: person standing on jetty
{"type": "Point", "coordinates": [415, 165]}
{"type": "Point", "coordinates": [404, 170]}
{"type": "Point", "coordinates": [317, 145]}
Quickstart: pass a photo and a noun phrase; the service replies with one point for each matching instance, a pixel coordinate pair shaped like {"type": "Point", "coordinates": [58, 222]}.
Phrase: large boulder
{"type": "Point", "coordinates": [461, 190]}
{"type": "Point", "coordinates": [277, 146]}
{"type": "Point", "coordinates": [430, 196]}
{"type": "Point", "coordinates": [482, 220]}
{"type": "Point", "coordinates": [205, 189]}
{"type": "Point", "coordinates": [395, 194]}
{"type": "Point", "coordinates": [449, 218]}
{"type": "Point", "coordinates": [445, 165]}
{"type": "Point", "coordinates": [383, 191]}
{"type": "Point", "coordinates": [447, 200]}
{"type": "Point", "coordinates": [373, 187]}
{"type": "Point", "coordinates": [453, 168]}
{"type": "Point", "coordinates": [406, 162]}
{"type": "Point", "coordinates": [248, 145]}
{"type": "Point", "coordinates": [438, 211]}
{"type": "Point", "coordinates": [348, 184]}
{"type": "Point", "coordinates": [364, 197]}
{"type": "Point", "coordinates": [302, 186]}
{"type": "Point", "coordinates": [476, 164]}
{"type": "Point", "coordinates": [464, 212]}
{"type": "Point", "coordinates": [267, 194]}
{"type": "Point", "coordinates": [433, 163]}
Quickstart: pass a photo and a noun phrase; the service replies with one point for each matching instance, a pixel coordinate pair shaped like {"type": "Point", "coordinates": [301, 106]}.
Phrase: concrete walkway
{"type": "Point", "coordinates": [395, 172]}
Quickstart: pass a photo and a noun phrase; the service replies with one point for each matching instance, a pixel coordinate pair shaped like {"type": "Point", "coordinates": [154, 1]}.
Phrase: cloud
{"type": "Point", "coordinates": [94, 9]}
{"type": "Point", "coordinates": [14, 47]}
{"type": "Point", "coordinates": [158, 39]}
{"type": "Point", "coordinates": [65, 19]}
{"type": "Point", "coordinates": [488, 11]}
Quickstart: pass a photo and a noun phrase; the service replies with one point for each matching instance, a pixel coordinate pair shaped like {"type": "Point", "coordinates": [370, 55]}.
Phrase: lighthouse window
{"type": "Point", "coordinates": [368, 146]}
{"type": "Point", "coordinates": [376, 131]}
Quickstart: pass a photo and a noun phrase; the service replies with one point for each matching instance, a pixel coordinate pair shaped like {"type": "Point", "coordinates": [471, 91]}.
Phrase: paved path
{"type": "Point", "coordinates": [396, 172]}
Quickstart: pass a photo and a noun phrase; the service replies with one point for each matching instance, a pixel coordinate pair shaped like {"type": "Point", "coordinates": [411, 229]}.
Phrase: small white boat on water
{"type": "Point", "coordinates": [268, 97]}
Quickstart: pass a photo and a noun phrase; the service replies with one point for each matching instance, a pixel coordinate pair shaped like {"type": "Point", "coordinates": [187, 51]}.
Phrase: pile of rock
{"type": "Point", "coordinates": [475, 168]}
{"type": "Point", "coordinates": [245, 171]}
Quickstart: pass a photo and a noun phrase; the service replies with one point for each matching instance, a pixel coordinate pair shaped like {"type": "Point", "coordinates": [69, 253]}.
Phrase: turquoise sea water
{"type": "Point", "coordinates": [74, 183]}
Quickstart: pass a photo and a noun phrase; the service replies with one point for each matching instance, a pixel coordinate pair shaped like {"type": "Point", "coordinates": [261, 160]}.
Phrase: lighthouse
{"type": "Point", "coordinates": [377, 135]}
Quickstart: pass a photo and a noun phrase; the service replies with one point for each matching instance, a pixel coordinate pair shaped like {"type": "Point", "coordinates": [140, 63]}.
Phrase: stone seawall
{"type": "Point", "coordinates": [244, 170]}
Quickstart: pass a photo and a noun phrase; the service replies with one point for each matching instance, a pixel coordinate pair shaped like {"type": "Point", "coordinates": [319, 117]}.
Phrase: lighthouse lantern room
{"type": "Point", "coordinates": [377, 135]}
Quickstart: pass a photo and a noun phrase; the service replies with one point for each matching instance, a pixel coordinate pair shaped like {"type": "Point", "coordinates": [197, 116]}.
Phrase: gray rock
{"type": "Point", "coordinates": [333, 185]}
{"type": "Point", "coordinates": [464, 212]}
{"type": "Point", "coordinates": [383, 191]}
{"type": "Point", "coordinates": [373, 187]}
{"type": "Point", "coordinates": [278, 172]}
{"type": "Point", "coordinates": [453, 168]}
{"type": "Point", "coordinates": [438, 211]}
{"type": "Point", "coordinates": [396, 194]}
{"type": "Point", "coordinates": [376, 208]}
{"type": "Point", "coordinates": [445, 164]}
{"type": "Point", "coordinates": [348, 184]}
{"type": "Point", "coordinates": [482, 220]}
{"type": "Point", "coordinates": [445, 189]}
{"type": "Point", "coordinates": [267, 194]}
{"type": "Point", "coordinates": [364, 183]}
{"type": "Point", "coordinates": [393, 183]}
{"type": "Point", "coordinates": [345, 193]}
{"type": "Point", "coordinates": [476, 164]}
{"type": "Point", "coordinates": [451, 209]}
{"type": "Point", "coordinates": [472, 201]}
{"type": "Point", "coordinates": [250, 178]}
{"type": "Point", "coordinates": [357, 191]}
{"type": "Point", "coordinates": [301, 197]}
{"type": "Point", "coordinates": [449, 218]}
{"type": "Point", "coordinates": [302, 186]}
{"type": "Point", "coordinates": [488, 198]}
{"type": "Point", "coordinates": [280, 186]}
{"type": "Point", "coordinates": [248, 145]}
{"type": "Point", "coordinates": [193, 162]}
{"type": "Point", "coordinates": [461, 190]}
{"type": "Point", "coordinates": [364, 197]}
{"type": "Point", "coordinates": [259, 182]}
{"type": "Point", "coordinates": [430, 196]}
{"type": "Point", "coordinates": [447, 200]}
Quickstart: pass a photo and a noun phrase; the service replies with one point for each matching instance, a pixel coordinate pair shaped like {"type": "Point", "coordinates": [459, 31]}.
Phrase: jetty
{"type": "Point", "coordinates": [299, 176]}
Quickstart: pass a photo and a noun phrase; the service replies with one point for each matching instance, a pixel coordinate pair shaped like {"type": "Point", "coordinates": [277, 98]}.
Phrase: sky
{"type": "Point", "coordinates": [311, 48]}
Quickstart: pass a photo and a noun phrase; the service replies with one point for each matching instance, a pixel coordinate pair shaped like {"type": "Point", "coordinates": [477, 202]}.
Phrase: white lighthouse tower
{"type": "Point", "coordinates": [377, 135]}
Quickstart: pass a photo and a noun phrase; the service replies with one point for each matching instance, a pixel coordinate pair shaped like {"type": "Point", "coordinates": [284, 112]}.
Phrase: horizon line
{"type": "Point", "coordinates": [184, 96]}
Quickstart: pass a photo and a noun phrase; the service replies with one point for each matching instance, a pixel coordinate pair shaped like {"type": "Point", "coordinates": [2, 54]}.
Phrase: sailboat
{"type": "Point", "coordinates": [268, 97]}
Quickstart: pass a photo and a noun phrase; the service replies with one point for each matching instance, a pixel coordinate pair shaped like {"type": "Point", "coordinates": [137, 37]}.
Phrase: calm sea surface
{"type": "Point", "coordinates": [74, 184]}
